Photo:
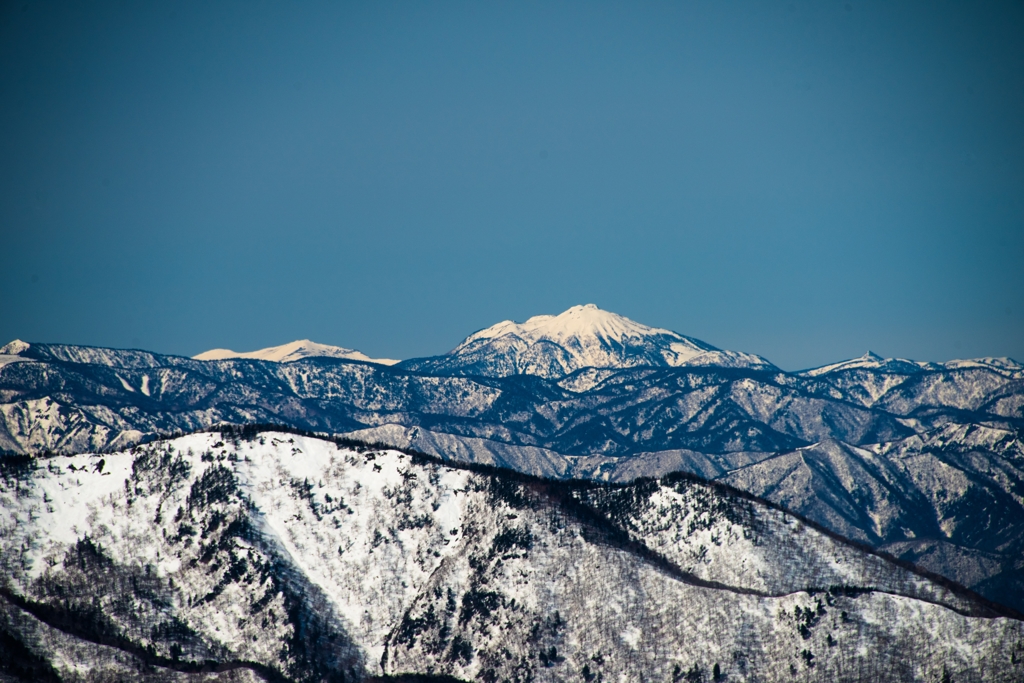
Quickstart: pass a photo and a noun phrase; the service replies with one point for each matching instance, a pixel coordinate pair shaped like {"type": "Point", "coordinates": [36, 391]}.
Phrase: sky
{"type": "Point", "coordinates": [802, 180]}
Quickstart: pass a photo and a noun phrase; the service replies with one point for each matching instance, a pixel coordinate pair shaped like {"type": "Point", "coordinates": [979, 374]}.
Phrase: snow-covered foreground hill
{"type": "Point", "coordinates": [281, 557]}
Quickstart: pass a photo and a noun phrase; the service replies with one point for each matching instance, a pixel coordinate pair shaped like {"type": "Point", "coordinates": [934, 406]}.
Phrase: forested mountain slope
{"type": "Point", "coordinates": [280, 557]}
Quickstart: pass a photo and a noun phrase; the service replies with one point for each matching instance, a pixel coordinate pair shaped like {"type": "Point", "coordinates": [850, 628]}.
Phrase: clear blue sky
{"type": "Point", "coordinates": [804, 180]}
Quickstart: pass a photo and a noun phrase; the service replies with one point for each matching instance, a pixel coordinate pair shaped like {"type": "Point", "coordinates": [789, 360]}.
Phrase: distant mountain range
{"type": "Point", "coordinates": [293, 351]}
{"type": "Point", "coordinates": [921, 460]}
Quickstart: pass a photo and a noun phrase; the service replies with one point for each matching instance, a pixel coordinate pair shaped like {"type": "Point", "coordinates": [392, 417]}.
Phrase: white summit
{"type": "Point", "coordinates": [581, 337]}
{"type": "Point", "coordinates": [11, 352]}
{"type": "Point", "coordinates": [293, 351]}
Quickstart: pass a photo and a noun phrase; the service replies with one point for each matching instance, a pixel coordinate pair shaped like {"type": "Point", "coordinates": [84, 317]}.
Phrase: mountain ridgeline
{"type": "Point", "coordinates": [921, 460]}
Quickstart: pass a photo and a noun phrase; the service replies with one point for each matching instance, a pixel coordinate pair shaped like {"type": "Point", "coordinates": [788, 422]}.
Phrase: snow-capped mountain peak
{"type": "Point", "coordinates": [293, 351]}
{"type": "Point", "coordinates": [14, 348]}
{"type": "Point", "coordinates": [11, 353]}
{"type": "Point", "coordinates": [580, 337]}
{"type": "Point", "coordinates": [587, 326]}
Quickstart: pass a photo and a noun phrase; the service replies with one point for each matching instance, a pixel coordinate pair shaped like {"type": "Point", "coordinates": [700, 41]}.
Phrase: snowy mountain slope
{"type": "Point", "coordinates": [91, 355]}
{"type": "Point", "coordinates": [136, 359]}
{"type": "Point", "coordinates": [847, 423]}
{"type": "Point", "coordinates": [582, 337]}
{"type": "Point", "coordinates": [902, 366]}
{"type": "Point", "coordinates": [544, 462]}
{"type": "Point", "coordinates": [293, 351]}
{"type": "Point", "coordinates": [872, 361]}
{"type": "Point", "coordinates": [532, 460]}
{"type": "Point", "coordinates": [283, 557]}
{"type": "Point", "coordinates": [950, 500]}
{"type": "Point", "coordinates": [859, 494]}
{"type": "Point", "coordinates": [909, 387]}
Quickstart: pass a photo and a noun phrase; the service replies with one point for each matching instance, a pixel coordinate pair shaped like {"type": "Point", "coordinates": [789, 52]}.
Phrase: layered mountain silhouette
{"type": "Point", "coordinates": [921, 460]}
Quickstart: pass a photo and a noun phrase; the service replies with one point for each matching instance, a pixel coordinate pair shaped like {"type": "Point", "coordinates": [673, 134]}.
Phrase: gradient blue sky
{"type": "Point", "coordinates": [801, 180]}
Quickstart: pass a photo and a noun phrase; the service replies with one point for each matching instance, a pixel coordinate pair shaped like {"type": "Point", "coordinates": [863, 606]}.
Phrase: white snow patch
{"type": "Point", "coordinates": [631, 636]}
